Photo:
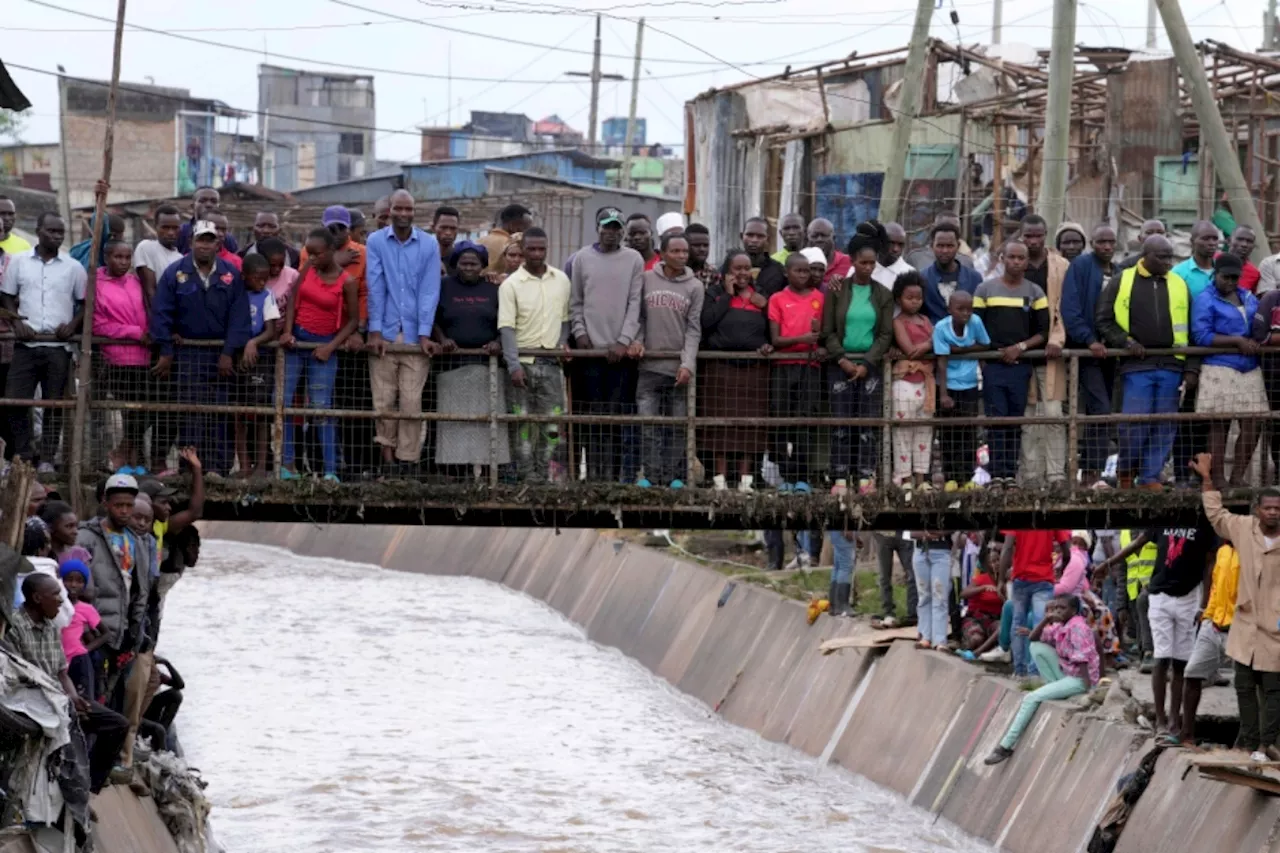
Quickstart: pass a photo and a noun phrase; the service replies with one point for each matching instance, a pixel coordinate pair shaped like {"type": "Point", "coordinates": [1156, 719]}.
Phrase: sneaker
{"type": "Point", "coordinates": [840, 488]}
{"type": "Point", "coordinates": [745, 485]}
{"type": "Point", "coordinates": [45, 468]}
{"type": "Point", "coordinates": [785, 488]}
{"type": "Point", "coordinates": [719, 482]}
{"type": "Point", "coordinates": [997, 755]}
{"type": "Point", "coordinates": [802, 488]}
{"type": "Point", "coordinates": [331, 478]}
{"type": "Point", "coordinates": [1256, 756]}
{"type": "Point", "coordinates": [286, 474]}
{"type": "Point", "coordinates": [996, 655]}
{"type": "Point", "coordinates": [926, 487]}
{"type": "Point", "coordinates": [643, 483]}
{"type": "Point", "coordinates": [951, 486]}
{"type": "Point", "coordinates": [799, 563]}
{"type": "Point", "coordinates": [888, 622]}
{"type": "Point", "coordinates": [677, 484]}
{"type": "Point", "coordinates": [866, 486]}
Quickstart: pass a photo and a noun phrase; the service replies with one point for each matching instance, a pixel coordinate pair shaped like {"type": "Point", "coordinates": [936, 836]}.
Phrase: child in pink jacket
{"type": "Point", "coordinates": [120, 313]}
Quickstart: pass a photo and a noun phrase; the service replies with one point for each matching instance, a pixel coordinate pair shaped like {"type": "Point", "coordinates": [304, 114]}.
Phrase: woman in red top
{"type": "Point", "coordinates": [982, 618]}
{"type": "Point", "coordinates": [323, 296]}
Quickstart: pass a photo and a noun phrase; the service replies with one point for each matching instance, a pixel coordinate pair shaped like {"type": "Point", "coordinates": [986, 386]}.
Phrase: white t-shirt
{"type": "Point", "coordinates": [888, 275]}
{"type": "Point", "coordinates": [155, 257]}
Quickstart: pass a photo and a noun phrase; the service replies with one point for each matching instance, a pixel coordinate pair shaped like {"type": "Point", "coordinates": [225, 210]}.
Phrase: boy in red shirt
{"type": "Point", "coordinates": [795, 321]}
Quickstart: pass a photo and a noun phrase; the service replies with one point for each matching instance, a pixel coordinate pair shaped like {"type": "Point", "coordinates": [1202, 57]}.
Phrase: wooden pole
{"type": "Point", "coordinates": [624, 176]}
{"type": "Point", "coordinates": [912, 85]}
{"type": "Point", "coordinates": [1057, 125]}
{"type": "Point", "coordinates": [84, 373]}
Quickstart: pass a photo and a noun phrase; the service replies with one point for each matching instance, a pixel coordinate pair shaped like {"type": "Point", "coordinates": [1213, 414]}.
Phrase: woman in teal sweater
{"type": "Point", "coordinates": [857, 329]}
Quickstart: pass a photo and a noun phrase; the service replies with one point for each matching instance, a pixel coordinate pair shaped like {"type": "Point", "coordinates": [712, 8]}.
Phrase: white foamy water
{"type": "Point", "coordinates": [341, 707]}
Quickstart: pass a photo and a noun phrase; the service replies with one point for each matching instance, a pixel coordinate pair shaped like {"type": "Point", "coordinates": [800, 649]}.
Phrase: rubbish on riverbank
{"type": "Point", "coordinates": [872, 640]}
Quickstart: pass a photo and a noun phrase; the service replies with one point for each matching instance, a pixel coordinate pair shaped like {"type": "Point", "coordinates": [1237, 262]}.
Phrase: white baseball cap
{"type": "Point", "coordinates": [814, 255]}
{"type": "Point", "coordinates": [120, 483]}
{"type": "Point", "coordinates": [204, 226]}
{"type": "Point", "coordinates": [667, 221]}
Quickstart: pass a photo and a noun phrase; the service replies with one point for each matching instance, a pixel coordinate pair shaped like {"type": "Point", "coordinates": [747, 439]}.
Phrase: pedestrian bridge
{"type": "Point", "coordinates": [493, 492]}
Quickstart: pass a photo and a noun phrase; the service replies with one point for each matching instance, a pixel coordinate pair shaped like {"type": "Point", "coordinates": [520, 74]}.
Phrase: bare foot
{"type": "Point", "coordinates": [259, 473]}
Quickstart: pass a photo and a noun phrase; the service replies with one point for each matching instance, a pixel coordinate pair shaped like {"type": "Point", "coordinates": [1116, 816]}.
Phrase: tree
{"type": "Point", "coordinates": [11, 125]}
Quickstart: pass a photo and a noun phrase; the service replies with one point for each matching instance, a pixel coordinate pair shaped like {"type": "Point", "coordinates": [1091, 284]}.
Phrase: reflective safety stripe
{"type": "Point", "coordinates": [1179, 304]}
{"type": "Point", "coordinates": [1042, 302]}
{"type": "Point", "coordinates": [1139, 566]}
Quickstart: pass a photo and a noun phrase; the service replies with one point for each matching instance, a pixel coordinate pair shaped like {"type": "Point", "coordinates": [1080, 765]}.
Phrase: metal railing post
{"type": "Point", "coordinates": [493, 421]}
{"type": "Point", "coordinates": [886, 437]}
{"type": "Point", "coordinates": [691, 430]}
{"type": "Point", "coordinates": [277, 420]}
{"type": "Point", "coordinates": [1073, 424]}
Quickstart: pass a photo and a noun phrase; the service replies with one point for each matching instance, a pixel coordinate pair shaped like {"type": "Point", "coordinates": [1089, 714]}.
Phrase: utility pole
{"type": "Point", "coordinates": [1269, 40]}
{"type": "Point", "coordinates": [596, 77]}
{"type": "Point", "coordinates": [1152, 18]}
{"type": "Point", "coordinates": [85, 368]}
{"type": "Point", "coordinates": [912, 85]}
{"type": "Point", "coordinates": [1212, 129]}
{"type": "Point", "coordinates": [624, 177]}
{"type": "Point", "coordinates": [62, 146]}
{"type": "Point", "coordinates": [997, 20]}
{"type": "Point", "coordinates": [1057, 120]}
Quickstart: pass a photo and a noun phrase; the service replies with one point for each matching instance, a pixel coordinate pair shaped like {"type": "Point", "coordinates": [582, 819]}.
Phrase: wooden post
{"type": "Point", "coordinates": [997, 189]}
{"type": "Point", "coordinates": [13, 503]}
{"type": "Point", "coordinates": [493, 421]}
{"type": "Point", "coordinates": [1073, 422]}
{"type": "Point", "coordinates": [84, 373]}
{"type": "Point", "coordinates": [278, 425]}
{"type": "Point", "coordinates": [912, 85]}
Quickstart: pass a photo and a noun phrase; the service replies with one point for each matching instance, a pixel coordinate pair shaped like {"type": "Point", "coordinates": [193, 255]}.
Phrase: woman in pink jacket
{"type": "Point", "coordinates": [121, 314]}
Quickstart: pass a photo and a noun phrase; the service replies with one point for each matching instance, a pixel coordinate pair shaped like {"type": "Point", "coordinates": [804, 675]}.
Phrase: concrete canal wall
{"type": "Point", "coordinates": [919, 723]}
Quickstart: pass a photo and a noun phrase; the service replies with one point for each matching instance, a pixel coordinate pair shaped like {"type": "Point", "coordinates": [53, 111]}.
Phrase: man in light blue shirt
{"type": "Point", "coordinates": [1197, 270]}
{"type": "Point", "coordinates": [403, 275]}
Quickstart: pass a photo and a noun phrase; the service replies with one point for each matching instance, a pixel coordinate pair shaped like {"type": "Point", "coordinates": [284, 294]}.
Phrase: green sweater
{"type": "Point", "coordinates": [836, 308]}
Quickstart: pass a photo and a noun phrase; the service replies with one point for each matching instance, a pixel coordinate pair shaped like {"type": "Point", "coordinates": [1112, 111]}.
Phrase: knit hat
{"type": "Point", "coordinates": [1069, 226]}
{"type": "Point", "coordinates": [73, 567]}
{"type": "Point", "coordinates": [814, 255]}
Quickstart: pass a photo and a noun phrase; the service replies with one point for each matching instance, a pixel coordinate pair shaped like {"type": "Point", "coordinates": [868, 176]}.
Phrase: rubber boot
{"type": "Point", "coordinates": [833, 599]}
{"type": "Point", "coordinates": [844, 594]}
{"type": "Point", "coordinates": [774, 549]}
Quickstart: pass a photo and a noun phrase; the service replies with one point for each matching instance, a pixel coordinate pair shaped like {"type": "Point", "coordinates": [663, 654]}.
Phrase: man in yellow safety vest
{"type": "Point", "coordinates": [1148, 306]}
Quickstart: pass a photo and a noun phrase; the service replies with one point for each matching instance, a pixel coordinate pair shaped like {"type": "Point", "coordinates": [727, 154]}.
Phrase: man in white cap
{"type": "Point", "coordinates": [668, 222]}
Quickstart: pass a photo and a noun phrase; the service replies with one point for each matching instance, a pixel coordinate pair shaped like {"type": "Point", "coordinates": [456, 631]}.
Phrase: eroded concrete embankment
{"type": "Point", "coordinates": [919, 723]}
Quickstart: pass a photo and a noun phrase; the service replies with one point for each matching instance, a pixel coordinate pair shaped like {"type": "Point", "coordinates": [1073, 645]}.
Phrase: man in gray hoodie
{"type": "Point", "coordinates": [670, 321]}
{"type": "Point", "coordinates": [604, 313]}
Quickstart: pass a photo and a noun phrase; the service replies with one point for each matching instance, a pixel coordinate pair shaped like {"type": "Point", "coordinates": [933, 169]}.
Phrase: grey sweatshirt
{"type": "Point", "coordinates": [671, 319]}
{"type": "Point", "coordinates": [604, 299]}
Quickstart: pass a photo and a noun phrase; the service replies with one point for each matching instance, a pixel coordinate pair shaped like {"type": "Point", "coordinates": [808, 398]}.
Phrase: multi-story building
{"type": "Point", "coordinates": [317, 126]}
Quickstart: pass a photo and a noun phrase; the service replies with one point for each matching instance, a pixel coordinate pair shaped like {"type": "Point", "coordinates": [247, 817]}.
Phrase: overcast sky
{"type": "Point", "coordinates": [519, 48]}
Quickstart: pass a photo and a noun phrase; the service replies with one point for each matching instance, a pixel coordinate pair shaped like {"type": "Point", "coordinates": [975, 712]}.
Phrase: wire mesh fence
{"type": "Point", "coordinates": [741, 421]}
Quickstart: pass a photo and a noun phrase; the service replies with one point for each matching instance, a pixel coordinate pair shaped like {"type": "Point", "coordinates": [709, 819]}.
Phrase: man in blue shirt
{"type": "Point", "coordinates": [201, 298]}
{"type": "Point", "coordinates": [403, 274]}
{"type": "Point", "coordinates": [946, 275]}
{"type": "Point", "coordinates": [1197, 272]}
{"type": "Point", "coordinates": [1085, 280]}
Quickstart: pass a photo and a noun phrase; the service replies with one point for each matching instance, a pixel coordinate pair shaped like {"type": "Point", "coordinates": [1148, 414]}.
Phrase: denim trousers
{"type": "Point", "coordinates": [321, 376]}
{"type": "Point", "coordinates": [887, 544]}
{"type": "Point", "coordinates": [1145, 447]}
{"type": "Point", "coordinates": [933, 584]}
{"type": "Point", "coordinates": [1029, 601]}
{"type": "Point", "coordinates": [1004, 395]}
{"type": "Point", "coordinates": [842, 556]}
{"type": "Point", "coordinates": [663, 457]}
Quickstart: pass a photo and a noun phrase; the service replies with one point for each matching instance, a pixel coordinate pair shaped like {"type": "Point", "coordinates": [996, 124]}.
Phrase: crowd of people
{"type": "Point", "coordinates": [88, 607]}
{"type": "Point", "coordinates": [1190, 606]}
{"type": "Point", "coordinates": [383, 314]}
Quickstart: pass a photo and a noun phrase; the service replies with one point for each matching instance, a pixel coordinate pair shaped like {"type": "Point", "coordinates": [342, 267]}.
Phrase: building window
{"type": "Point", "coordinates": [344, 169]}
{"type": "Point", "coordinates": [351, 143]}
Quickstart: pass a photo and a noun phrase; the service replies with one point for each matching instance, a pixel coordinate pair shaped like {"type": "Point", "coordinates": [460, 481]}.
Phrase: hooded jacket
{"type": "Point", "coordinates": [836, 308]}
{"type": "Point", "coordinates": [671, 319]}
{"type": "Point", "coordinates": [123, 608]}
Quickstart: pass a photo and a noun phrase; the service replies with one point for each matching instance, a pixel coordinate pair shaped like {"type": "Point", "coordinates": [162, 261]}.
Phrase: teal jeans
{"type": "Point", "coordinates": [1056, 686]}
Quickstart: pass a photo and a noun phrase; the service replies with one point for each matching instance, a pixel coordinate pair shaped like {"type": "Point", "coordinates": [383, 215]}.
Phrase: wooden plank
{"type": "Point", "coordinates": [1230, 758]}
{"type": "Point", "coordinates": [1237, 776]}
{"type": "Point", "coordinates": [875, 639]}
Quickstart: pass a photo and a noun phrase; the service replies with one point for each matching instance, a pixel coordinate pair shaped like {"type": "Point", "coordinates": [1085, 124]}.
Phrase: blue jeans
{"type": "Point", "coordinates": [1004, 395]}
{"type": "Point", "coordinates": [842, 550]}
{"type": "Point", "coordinates": [1029, 601]}
{"type": "Point", "coordinates": [1145, 447]}
{"type": "Point", "coordinates": [321, 378]}
{"type": "Point", "coordinates": [933, 583]}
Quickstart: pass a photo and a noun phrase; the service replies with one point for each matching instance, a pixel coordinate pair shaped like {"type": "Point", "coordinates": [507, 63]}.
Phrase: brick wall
{"type": "Point", "coordinates": [144, 158]}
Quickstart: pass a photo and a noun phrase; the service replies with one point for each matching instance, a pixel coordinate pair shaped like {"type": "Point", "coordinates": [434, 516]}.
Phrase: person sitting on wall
{"type": "Point", "coordinates": [1066, 653]}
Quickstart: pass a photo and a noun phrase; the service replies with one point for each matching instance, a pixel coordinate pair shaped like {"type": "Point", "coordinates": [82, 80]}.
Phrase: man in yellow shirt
{"type": "Point", "coordinates": [10, 243]}
{"type": "Point", "coordinates": [1218, 608]}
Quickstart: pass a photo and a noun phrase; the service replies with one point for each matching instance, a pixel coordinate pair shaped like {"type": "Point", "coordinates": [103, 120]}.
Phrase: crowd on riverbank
{"type": "Point", "coordinates": [371, 316]}
{"type": "Point", "coordinates": [86, 616]}
{"type": "Point", "coordinates": [1193, 606]}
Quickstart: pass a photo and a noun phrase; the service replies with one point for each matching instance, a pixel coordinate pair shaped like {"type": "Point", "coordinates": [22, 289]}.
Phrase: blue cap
{"type": "Point", "coordinates": [73, 567]}
{"type": "Point", "coordinates": [336, 215]}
